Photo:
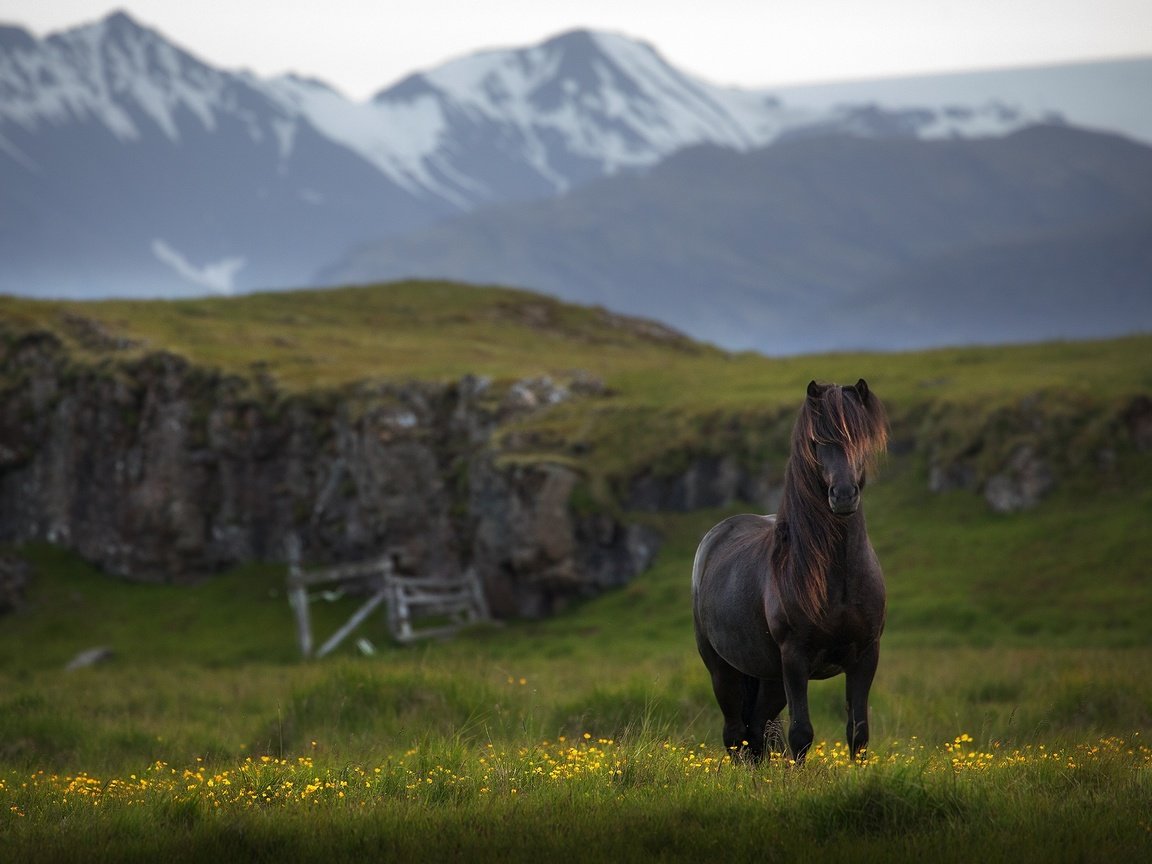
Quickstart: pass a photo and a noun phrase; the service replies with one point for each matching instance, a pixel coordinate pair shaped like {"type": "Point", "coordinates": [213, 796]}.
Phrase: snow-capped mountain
{"type": "Point", "coordinates": [1108, 95]}
{"type": "Point", "coordinates": [129, 166]}
{"type": "Point", "coordinates": [575, 108]}
{"type": "Point", "coordinates": [532, 122]}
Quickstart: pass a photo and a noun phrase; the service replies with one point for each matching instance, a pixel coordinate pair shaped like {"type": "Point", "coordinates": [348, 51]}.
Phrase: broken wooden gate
{"type": "Point", "coordinates": [408, 599]}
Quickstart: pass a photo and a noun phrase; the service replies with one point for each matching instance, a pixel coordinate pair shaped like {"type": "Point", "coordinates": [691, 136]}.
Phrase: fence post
{"type": "Point", "coordinates": [298, 596]}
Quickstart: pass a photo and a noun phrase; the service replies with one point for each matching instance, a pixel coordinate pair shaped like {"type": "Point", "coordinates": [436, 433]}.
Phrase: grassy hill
{"type": "Point", "coordinates": [664, 387]}
{"type": "Point", "coordinates": [1017, 630]}
{"type": "Point", "coordinates": [430, 330]}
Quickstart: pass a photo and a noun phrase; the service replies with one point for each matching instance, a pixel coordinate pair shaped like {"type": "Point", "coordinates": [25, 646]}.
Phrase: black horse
{"type": "Point", "coordinates": [780, 600]}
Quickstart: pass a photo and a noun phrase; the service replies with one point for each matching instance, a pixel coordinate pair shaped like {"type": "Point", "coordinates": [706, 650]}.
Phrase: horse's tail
{"type": "Point", "coordinates": [702, 553]}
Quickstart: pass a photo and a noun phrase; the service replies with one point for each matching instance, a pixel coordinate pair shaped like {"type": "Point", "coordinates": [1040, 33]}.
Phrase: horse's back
{"type": "Point", "coordinates": [730, 576]}
{"type": "Point", "coordinates": [727, 538]}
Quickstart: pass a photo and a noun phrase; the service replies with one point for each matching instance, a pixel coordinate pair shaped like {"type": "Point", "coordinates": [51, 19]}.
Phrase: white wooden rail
{"type": "Point", "coordinates": [460, 601]}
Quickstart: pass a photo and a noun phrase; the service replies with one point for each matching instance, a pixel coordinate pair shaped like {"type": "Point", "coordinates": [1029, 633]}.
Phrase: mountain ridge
{"type": "Point", "coordinates": [799, 246]}
{"type": "Point", "coordinates": [129, 167]}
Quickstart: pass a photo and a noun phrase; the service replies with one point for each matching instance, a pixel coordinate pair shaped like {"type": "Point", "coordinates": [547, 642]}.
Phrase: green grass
{"type": "Point", "coordinates": [599, 799]}
{"type": "Point", "coordinates": [205, 681]}
{"type": "Point", "coordinates": [978, 640]}
{"type": "Point", "coordinates": [1029, 633]}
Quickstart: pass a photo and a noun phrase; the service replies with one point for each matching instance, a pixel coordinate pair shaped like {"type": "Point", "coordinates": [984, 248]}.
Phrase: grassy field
{"type": "Point", "coordinates": [589, 736]}
{"type": "Point", "coordinates": [439, 331]}
{"type": "Point", "coordinates": [1010, 715]}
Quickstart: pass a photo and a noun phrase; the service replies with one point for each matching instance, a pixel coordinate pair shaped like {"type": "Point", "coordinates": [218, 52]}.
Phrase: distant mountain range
{"type": "Point", "coordinates": [590, 168]}
{"type": "Point", "coordinates": [830, 241]}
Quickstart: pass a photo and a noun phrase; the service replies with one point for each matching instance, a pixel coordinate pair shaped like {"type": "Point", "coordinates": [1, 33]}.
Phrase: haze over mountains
{"type": "Point", "coordinates": [951, 209]}
{"type": "Point", "coordinates": [833, 241]}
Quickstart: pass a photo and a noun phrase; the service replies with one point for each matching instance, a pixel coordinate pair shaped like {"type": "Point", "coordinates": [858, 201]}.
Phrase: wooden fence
{"type": "Point", "coordinates": [450, 603]}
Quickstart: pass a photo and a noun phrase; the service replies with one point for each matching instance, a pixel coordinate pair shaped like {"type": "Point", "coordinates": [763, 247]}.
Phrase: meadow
{"type": "Point", "coordinates": [1011, 713]}
{"type": "Point", "coordinates": [589, 736]}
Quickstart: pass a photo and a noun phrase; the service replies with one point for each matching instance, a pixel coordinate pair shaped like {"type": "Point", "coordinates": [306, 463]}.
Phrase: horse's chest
{"type": "Point", "coordinates": [848, 633]}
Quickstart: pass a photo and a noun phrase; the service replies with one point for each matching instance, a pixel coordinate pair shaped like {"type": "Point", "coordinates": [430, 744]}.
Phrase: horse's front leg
{"type": "Point", "coordinates": [858, 682]}
{"type": "Point", "coordinates": [800, 732]}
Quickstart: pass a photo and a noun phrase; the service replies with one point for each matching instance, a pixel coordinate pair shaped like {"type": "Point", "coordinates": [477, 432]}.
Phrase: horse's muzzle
{"type": "Point", "coordinates": [844, 500]}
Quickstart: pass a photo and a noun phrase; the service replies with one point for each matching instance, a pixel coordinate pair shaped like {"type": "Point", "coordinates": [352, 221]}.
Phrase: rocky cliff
{"type": "Point", "coordinates": [157, 470]}
{"type": "Point", "coordinates": [1015, 454]}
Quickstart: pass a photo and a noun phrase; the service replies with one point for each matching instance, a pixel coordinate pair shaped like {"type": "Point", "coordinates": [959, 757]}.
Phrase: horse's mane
{"type": "Point", "coordinates": [806, 529]}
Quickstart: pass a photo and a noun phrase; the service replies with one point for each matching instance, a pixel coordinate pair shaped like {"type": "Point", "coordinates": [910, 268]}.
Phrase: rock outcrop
{"type": "Point", "coordinates": [1016, 455]}
{"type": "Point", "coordinates": [157, 470]}
{"type": "Point", "coordinates": [1021, 483]}
{"type": "Point", "coordinates": [707, 480]}
{"type": "Point", "coordinates": [534, 552]}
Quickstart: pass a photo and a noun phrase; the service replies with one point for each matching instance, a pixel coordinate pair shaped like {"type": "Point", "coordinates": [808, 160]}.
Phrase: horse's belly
{"type": "Point", "coordinates": [825, 670]}
{"type": "Point", "coordinates": [735, 627]}
{"type": "Point", "coordinates": [830, 662]}
{"type": "Point", "coordinates": [759, 657]}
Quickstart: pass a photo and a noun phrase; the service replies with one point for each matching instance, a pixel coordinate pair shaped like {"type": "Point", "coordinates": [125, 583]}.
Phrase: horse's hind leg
{"type": "Point", "coordinates": [732, 690]}
{"type": "Point", "coordinates": [769, 703]}
{"type": "Point", "coordinates": [736, 694]}
{"type": "Point", "coordinates": [753, 719]}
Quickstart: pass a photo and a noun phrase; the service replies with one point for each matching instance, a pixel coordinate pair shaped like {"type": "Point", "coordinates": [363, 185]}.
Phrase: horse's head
{"type": "Point", "coordinates": [838, 435]}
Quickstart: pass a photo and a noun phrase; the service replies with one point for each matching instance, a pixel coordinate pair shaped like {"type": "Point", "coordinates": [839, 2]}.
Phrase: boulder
{"type": "Point", "coordinates": [1022, 483]}
{"type": "Point", "coordinates": [90, 657]}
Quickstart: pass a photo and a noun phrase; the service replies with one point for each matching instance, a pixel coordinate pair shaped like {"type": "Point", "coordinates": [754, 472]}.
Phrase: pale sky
{"type": "Point", "coordinates": [361, 46]}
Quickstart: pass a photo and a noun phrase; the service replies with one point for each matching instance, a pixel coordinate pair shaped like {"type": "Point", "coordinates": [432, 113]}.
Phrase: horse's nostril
{"type": "Point", "coordinates": [844, 492]}
{"type": "Point", "coordinates": [844, 499]}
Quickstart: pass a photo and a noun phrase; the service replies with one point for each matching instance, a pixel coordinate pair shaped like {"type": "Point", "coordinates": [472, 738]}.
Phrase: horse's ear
{"type": "Point", "coordinates": [815, 391]}
{"type": "Point", "coordinates": [861, 389]}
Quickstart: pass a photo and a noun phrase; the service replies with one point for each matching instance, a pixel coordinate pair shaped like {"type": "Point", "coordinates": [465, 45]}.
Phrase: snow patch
{"type": "Point", "coordinates": [395, 137]}
{"type": "Point", "coordinates": [218, 276]}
